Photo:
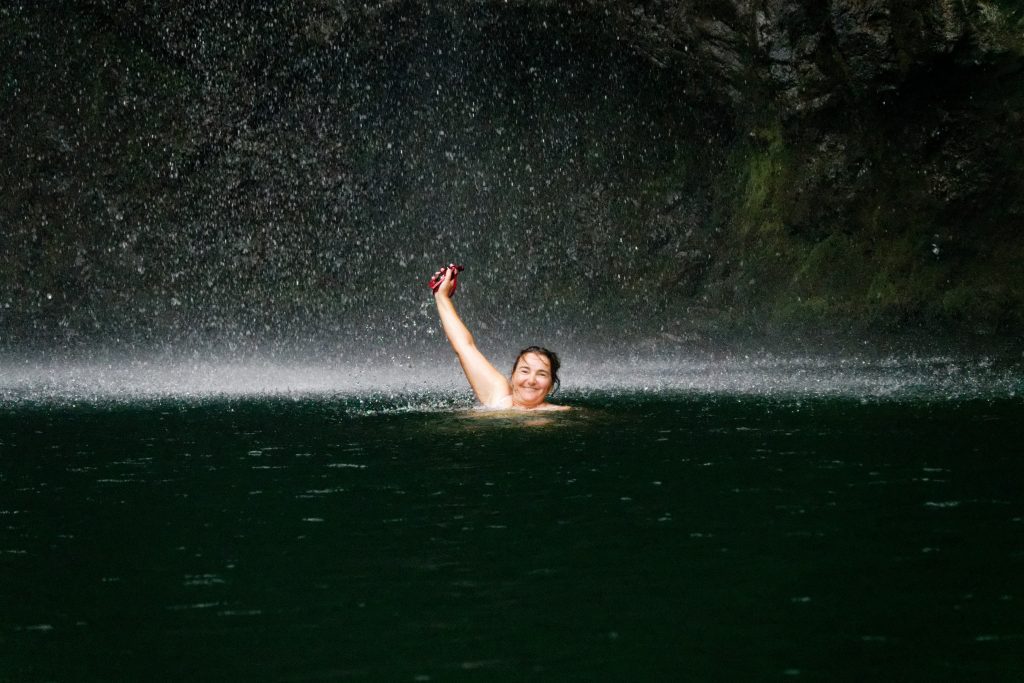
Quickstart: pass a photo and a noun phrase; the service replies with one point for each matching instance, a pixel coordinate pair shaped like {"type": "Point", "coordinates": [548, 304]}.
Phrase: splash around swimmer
{"type": "Point", "coordinates": [534, 373]}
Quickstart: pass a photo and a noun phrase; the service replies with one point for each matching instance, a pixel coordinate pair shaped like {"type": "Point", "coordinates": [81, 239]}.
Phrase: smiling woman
{"type": "Point", "coordinates": [534, 374]}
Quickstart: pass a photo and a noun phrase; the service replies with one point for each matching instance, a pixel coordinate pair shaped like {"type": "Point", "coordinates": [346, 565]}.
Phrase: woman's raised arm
{"type": "Point", "coordinates": [489, 385]}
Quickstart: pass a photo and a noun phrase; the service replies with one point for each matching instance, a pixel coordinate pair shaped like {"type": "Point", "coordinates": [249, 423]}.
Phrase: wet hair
{"type": "Point", "coordinates": [552, 359]}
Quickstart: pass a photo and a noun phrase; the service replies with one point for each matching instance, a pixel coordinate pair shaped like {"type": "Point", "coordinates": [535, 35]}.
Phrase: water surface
{"type": "Point", "coordinates": [671, 534]}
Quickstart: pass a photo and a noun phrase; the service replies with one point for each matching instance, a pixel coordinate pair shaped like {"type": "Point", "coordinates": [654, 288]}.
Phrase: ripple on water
{"type": "Point", "coordinates": [193, 606]}
{"type": "Point", "coordinates": [203, 580]}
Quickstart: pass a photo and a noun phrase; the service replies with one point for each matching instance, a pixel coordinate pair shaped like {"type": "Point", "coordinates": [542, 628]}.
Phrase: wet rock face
{"type": "Point", "coordinates": [806, 54]}
{"type": "Point", "coordinates": [801, 56]}
{"type": "Point", "coordinates": [883, 145]}
{"type": "Point", "coordinates": [823, 161]}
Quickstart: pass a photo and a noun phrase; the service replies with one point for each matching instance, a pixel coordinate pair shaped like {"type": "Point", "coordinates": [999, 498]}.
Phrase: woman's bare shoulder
{"type": "Point", "coordinates": [501, 402]}
{"type": "Point", "coordinates": [505, 403]}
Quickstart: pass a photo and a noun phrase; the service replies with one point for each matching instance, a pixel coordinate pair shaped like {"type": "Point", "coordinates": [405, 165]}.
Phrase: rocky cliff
{"type": "Point", "coordinates": [687, 171]}
{"type": "Point", "coordinates": [877, 156]}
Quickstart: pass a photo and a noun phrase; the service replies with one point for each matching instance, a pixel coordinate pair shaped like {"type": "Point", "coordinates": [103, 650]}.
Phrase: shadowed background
{"type": "Point", "coordinates": [258, 178]}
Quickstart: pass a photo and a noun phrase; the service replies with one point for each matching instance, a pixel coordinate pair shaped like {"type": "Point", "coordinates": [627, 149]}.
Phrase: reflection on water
{"type": "Point", "coordinates": [329, 537]}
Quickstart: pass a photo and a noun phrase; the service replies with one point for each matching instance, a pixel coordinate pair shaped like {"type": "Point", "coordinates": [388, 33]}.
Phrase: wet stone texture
{"type": "Point", "coordinates": [272, 177]}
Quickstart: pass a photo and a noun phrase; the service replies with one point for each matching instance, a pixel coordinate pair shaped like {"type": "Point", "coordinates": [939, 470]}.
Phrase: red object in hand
{"type": "Point", "coordinates": [435, 281]}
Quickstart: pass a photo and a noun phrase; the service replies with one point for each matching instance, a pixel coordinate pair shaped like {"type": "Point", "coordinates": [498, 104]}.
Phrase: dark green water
{"type": "Point", "coordinates": [638, 538]}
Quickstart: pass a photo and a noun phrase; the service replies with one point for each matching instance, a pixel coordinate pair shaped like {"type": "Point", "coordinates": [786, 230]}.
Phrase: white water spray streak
{"type": "Point", "coordinates": [765, 376]}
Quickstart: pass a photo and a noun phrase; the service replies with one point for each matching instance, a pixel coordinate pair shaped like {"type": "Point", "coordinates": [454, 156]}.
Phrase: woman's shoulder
{"type": "Point", "coordinates": [501, 403]}
{"type": "Point", "coordinates": [505, 403]}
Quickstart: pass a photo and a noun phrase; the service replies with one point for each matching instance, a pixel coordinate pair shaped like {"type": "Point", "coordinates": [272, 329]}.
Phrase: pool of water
{"type": "Point", "coordinates": [674, 535]}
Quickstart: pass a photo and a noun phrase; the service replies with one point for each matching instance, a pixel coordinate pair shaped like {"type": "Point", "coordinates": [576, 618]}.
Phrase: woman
{"type": "Point", "coordinates": [534, 374]}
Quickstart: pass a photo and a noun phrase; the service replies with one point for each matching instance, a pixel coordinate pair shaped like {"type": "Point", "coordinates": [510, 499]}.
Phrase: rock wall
{"type": "Point", "coordinates": [876, 174]}
{"type": "Point", "coordinates": [693, 171]}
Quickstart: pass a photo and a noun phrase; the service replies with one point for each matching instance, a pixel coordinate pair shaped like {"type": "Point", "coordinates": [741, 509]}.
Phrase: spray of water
{"type": "Point", "coordinates": [441, 385]}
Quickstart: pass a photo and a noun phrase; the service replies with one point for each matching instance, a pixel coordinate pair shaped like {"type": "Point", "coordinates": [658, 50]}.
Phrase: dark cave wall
{"type": "Point", "coordinates": [759, 168]}
{"type": "Point", "coordinates": [875, 178]}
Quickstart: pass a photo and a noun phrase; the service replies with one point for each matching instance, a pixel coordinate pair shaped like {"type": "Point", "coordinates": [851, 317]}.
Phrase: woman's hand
{"type": "Point", "coordinates": [445, 277]}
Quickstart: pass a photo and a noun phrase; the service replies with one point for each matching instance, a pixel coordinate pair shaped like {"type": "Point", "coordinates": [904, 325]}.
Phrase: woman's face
{"type": "Point", "coordinates": [531, 380]}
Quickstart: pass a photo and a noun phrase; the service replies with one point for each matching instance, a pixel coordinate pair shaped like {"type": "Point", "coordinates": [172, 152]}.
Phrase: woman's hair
{"type": "Point", "coordinates": [552, 359]}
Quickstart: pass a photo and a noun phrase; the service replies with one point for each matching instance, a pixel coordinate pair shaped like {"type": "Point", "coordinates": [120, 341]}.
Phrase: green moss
{"type": "Point", "coordinates": [801, 313]}
{"type": "Point", "coordinates": [999, 23]}
{"type": "Point", "coordinates": [984, 308]}
{"type": "Point", "coordinates": [883, 293]}
{"type": "Point", "coordinates": [835, 264]}
{"type": "Point", "coordinates": [761, 164]}
{"type": "Point", "coordinates": [906, 280]}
